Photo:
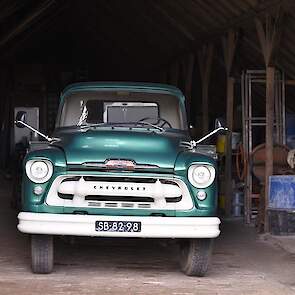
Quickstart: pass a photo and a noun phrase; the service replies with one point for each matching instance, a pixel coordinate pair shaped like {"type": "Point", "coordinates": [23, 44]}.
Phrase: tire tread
{"type": "Point", "coordinates": [195, 257]}
{"type": "Point", "coordinates": [42, 254]}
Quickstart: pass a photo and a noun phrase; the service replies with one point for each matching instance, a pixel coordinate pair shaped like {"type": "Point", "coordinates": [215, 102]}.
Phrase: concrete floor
{"type": "Point", "coordinates": [242, 264]}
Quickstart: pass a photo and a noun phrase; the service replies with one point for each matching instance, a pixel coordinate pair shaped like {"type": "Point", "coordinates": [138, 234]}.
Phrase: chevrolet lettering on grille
{"type": "Point", "coordinates": [119, 188]}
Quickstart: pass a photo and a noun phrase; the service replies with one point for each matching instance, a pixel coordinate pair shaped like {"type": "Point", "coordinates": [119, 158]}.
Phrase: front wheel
{"type": "Point", "coordinates": [195, 256]}
{"type": "Point", "coordinates": [42, 254]}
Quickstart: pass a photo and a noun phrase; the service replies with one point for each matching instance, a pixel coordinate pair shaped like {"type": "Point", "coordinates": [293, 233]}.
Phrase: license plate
{"type": "Point", "coordinates": [118, 226]}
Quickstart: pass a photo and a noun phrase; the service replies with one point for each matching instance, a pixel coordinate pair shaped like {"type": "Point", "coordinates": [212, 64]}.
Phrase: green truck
{"type": "Point", "coordinates": [120, 163]}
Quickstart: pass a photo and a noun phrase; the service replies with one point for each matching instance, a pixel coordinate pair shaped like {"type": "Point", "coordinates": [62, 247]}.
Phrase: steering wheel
{"type": "Point", "coordinates": [157, 121]}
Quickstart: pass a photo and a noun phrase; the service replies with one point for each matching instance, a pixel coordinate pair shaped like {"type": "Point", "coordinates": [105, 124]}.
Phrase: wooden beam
{"type": "Point", "coordinates": [147, 20]}
{"type": "Point", "coordinates": [188, 67]}
{"type": "Point", "coordinates": [270, 95]}
{"type": "Point", "coordinates": [229, 44]}
{"type": "Point", "coordinates": [185, 12]}
{"type": "Point", "coordinates": [44, 23]}
{"type": "Point", "coordinates": [269, 34]}
{"type": "Point", "coordinates": [229, 47]}
{"type": "Point", "coordinates": [10, 8]}
{"type": "Point", "coordinates": [243, 20]}
{"type": "Point", "coordinates": [290, 82]}
{"type": "Point", "coordinates": [26, 22]}
{"type": "Point", "coordinates": [171, 19]}
{"type": "Point", "coordinates": [228, 157]}
{"type": "Point", "coordinates": [205, 57]}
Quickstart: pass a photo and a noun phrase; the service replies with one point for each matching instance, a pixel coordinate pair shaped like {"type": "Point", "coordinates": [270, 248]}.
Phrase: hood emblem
{"type": "Point", "coordinates": [119, 164]}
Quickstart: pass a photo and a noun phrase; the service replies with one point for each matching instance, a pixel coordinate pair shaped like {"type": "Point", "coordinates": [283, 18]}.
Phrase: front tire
{"type": "Point", "coordinates": [195, 256]}
{"type": "Point", "coordinates": [42, 254]}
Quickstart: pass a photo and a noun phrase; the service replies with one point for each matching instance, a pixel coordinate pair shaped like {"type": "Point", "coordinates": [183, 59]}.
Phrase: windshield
{"type": "Point", "coordinates": [143, 110]}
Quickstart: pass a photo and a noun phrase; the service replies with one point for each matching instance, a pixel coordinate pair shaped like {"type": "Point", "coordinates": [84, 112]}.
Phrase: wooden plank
{"type": "Point", "coordinates": [269, 34]}
{"type": "Point", "coordinates": [205, 58]}
{"type": "Point", "coordinates": [269, 109]}
{"type": "Point", "coordinates": [229, 48]}
{"type": "Point", "coordinates": [262, 39]}
{"type": "Point", "coordinates": [290, 82]}
{"type": "Point", "coordinates": [228, 156]}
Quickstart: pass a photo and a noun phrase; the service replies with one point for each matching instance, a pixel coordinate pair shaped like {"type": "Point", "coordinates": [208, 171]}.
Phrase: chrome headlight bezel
{"type": "Point", "coordinates": [34, 178]}
{"type": "Point", "coordinates": [193, 178]}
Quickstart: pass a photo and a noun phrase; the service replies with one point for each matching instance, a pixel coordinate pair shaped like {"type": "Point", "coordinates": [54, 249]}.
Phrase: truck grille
{"type": "Point", "coordinates": [119, 192]}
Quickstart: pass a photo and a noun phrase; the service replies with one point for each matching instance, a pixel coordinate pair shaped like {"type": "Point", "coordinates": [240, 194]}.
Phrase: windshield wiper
{"type": "Point", "coordinates": [149, 124]}
{"type": "Point", "coordinates": [122, 124]}
{"type": "Point", "coordinates": [93, 125]}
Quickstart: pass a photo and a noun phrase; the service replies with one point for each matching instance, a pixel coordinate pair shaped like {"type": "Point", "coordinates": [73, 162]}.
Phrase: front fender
{"type": "Point", "coordinates": [183, 162]}
{"type": "Point", "coordinates": [57, 157]}
{"type": "Point", "coordinates": [54, 154]}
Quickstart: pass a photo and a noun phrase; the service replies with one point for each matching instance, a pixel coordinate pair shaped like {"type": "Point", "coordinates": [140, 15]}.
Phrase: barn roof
{"type": "Point", "coordinates": [150, 33]}
{"type": "Point", "coordinates": [136, 38]}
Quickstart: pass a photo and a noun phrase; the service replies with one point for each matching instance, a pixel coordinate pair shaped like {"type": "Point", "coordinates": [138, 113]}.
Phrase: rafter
{"type": "Point", "coordinates": [25, 23]}
{"type": "Point", "coordinates": [10, 8]}
{"type": "Point", "coordinates": [269, 34]}
{"type": "Point", "coordinates": [177, 25]}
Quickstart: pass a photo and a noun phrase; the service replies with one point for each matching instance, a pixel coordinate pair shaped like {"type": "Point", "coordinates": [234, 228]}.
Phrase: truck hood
{"type": "Point", "coordinates": [141, 146]}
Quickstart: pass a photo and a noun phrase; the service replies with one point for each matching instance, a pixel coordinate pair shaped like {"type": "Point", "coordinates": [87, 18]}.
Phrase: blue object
{"type": "Point", "coordinates": [282, 192]}
{"type": "Point", "coordinates": [290, 130]}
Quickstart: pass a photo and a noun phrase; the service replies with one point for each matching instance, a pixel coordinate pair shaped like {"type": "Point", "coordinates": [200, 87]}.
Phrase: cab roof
{"type": "Point", "coordinates": [127, 86]}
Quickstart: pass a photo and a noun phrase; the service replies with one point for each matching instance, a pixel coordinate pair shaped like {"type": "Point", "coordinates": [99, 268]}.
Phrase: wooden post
{"type": "Point", "coordinates": [269, 108]}
{"type": "Point", "coordinates": [205, 57]}
{"type": "Point", "coordinates": [188, 74]}
{"type": "Point", "coordinates": [269, 36]}
{"type": "Point", "coordinates": [229, 47]}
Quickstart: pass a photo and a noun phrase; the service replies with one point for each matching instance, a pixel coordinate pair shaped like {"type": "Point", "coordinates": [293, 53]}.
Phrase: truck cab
{"type": "Point", "coordinates": [120, 163]}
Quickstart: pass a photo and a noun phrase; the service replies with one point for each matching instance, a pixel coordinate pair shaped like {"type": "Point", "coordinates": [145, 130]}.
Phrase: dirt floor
{"type": "Point", "coordinates": [241, 264]}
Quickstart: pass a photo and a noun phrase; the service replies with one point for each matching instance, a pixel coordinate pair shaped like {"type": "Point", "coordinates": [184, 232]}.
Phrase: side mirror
{"type": "Point", "coordinates": [218, 128]}
{"type": "Point", "coordinates": [21, 122]}
{"type": "Point", "coordinates": [21, 116]}
{"type": "Point", "coordinates": [219, 123]}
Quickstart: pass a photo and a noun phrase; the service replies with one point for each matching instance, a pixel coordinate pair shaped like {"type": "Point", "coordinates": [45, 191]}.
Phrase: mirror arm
{"type": "Point", "coordinates": [208, 135]}
{"type": "Point", "coordinates": [35, 130]}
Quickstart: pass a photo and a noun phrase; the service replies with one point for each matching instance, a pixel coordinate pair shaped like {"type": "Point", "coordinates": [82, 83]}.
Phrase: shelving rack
{"type": "Point", "coordinates": [250, 81]}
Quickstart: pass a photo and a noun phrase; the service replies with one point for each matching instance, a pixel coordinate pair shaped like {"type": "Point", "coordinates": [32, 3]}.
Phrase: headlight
{"type": "Point", "coordinates": [39, 171]}
{"type": "Point", "coordinates": [201, 175]}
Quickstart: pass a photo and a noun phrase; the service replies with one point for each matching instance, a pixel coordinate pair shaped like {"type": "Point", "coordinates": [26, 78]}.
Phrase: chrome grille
{"type": "Point", "coordinates": [119, 192]}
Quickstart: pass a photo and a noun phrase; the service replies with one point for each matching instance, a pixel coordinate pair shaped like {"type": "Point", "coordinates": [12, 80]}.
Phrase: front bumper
{"type": "Point", "coordinates": [152, 227]}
